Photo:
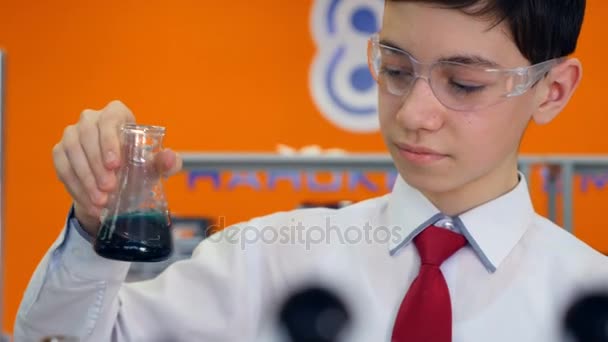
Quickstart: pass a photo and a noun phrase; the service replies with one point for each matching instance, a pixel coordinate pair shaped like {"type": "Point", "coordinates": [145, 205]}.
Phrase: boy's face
{"type": "Point", "coordinates": [478, 149]}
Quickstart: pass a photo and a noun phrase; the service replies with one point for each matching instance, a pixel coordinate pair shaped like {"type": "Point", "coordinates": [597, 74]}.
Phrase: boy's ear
{"type": "Point", "coordinates": [559, 86]}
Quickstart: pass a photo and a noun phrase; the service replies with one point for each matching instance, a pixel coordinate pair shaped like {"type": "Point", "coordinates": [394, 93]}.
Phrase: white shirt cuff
{"type": "Point", "coordinates": [79, 257]}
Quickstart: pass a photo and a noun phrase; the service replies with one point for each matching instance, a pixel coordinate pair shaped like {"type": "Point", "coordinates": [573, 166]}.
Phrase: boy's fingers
{"type": "Point", "coordinates": [168, 162]}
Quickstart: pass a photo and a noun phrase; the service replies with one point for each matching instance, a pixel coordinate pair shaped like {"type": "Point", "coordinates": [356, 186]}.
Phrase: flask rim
{"type": "Point", "coordinates": [145, 129]}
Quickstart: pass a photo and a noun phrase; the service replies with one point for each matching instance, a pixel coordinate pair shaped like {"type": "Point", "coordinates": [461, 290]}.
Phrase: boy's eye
{"type": "Point", "coordinates": [462, 87]}
{"type": "Point", "coordinates": [395, 72]}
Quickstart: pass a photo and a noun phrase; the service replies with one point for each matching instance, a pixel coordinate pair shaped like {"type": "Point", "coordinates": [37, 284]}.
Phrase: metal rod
{"type": "Point", "coordinates": [552, 186]}
{"type": "Point", "coordinates": [262, 161]}
{"type": "Point", "coordinates": [526, 169]}
{"type": "Point", "coordinates": [567, 176]}
{"type": "Point", "coordinates": [577, 160]}
{"type": "Point", "coordinates": [2, 188]}
{"type": "Point", "coordinates": [350, 161]}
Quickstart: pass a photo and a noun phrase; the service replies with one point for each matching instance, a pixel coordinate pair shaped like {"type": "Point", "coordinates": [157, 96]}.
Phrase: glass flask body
{"type": "Point", "coordinates": [136, 223]}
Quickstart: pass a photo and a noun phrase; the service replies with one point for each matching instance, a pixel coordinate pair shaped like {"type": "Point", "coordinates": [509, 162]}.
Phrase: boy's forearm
{"type": "Point", "coordinates": [71, 292]}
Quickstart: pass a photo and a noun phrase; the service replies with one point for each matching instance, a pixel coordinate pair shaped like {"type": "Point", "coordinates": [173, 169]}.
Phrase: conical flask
{"type": "Point", "coordinates": [135, 225]}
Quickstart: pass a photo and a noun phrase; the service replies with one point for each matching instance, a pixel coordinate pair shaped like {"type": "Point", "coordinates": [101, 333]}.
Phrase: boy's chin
{"type": "Point", "coordinates": [429, 183]}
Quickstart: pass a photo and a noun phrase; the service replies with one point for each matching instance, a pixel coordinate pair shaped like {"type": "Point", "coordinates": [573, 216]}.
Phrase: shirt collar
{"type": "Point", "coordinates": [491, 229]}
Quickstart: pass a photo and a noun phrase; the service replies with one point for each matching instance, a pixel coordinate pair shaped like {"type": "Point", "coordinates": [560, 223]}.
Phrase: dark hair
{"type": "Point", "coordinates": [541, 29]}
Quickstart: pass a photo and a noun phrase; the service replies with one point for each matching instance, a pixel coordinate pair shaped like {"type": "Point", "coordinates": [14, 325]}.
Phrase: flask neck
{"type": "Point", "coordinates": [141, 143]}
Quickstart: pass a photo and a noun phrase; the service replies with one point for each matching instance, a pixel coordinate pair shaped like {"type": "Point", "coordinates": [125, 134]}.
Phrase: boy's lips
{"type": "Point", "coordinates": [419, 154]}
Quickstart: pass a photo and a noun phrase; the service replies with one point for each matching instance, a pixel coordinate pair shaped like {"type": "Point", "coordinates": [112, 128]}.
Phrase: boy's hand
{"type": "Point", "coordinates": [88, 155]}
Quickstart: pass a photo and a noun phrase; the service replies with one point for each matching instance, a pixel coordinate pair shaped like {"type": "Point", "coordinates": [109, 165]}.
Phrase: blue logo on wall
{"type": "Point", "coordinates": [340, 81]}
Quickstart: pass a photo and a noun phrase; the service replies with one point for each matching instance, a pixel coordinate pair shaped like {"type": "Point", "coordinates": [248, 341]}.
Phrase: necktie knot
{"type": "Point", "coordinates": [435, 245]}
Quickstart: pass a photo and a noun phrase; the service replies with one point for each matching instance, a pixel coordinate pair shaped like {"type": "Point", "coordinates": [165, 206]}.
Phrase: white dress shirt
{"type": "Point", "coordinates": [512, 282]}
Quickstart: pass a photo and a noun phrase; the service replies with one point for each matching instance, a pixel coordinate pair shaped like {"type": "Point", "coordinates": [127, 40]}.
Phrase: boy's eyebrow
{"type": "Point", "coordinates": [391, 45]}
{"type": "Point", "coordinates": [463, 59]}
{"type": "Point", "coordinates": [471, 60]}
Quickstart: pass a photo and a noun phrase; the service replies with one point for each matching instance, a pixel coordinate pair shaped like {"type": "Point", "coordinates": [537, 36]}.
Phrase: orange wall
{"type": "Point", "coordinates": [221, 75]}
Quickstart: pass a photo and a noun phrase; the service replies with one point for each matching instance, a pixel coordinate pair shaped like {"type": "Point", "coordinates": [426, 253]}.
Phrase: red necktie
{"type": "Point", "coordinates": [425, 314]}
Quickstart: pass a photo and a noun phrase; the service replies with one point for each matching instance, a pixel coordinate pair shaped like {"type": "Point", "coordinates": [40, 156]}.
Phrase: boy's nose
{"type": "Point", "coordinates": [420, 109]}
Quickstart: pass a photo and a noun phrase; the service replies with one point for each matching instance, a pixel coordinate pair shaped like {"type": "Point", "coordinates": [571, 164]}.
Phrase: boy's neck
{"type": "Point", "coordinates": [475, 193]}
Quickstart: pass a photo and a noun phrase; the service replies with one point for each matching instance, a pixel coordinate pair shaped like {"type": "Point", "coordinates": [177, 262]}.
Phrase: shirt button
{"type": "Point", "coordinates": [447, 223]}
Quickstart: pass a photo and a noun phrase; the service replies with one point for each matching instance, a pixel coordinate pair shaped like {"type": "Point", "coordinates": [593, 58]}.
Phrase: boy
{"type": "Point", "coordinates": [466, 258]}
